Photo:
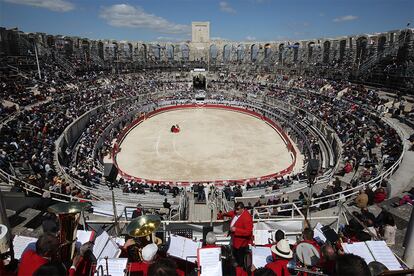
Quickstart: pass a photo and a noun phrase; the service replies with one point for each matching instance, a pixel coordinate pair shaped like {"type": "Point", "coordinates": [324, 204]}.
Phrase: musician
{"type": "Point", "coordinates": [149, 253]}
{"type": "Point", "coordinates": [283, 255]}
{"type": "Point", "coordinates": [241, 232]}
{"type": "Point", "coordinates": [47, 247]}
{"type": "Point", "coordinates": [211, 240]}
{"type": "Point", "coordinates": [164, 267]}
{"type": "Point", "coordinates": [307, 235]}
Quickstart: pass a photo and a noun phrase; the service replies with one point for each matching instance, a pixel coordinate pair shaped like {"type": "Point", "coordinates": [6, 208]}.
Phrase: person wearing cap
{"type": "Point", "coordinates": [148, 253]}
{"type": "Point", "coordinates": [283, 255]}
{"type": "Point", "coordinates": [241, 232]}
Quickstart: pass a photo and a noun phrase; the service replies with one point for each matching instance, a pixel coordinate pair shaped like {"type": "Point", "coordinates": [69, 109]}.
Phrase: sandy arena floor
{"type": "Point", "coordinates": [213, 144]}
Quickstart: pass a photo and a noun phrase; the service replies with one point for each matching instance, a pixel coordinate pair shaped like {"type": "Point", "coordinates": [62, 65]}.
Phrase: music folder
{"type": "Point", "coordinates": [116, 266]}
{"type": "Point", "coordinates": [261, 255]}
{"type": "Point", "coordinates": [209, 261]}
{"type": "Point", "coordinates": [83, 237]}
{"type": "Point", "coordinates": [20, 243]}
{"type": "Point", "coordinates": [105, 246]}
{"type": "Point", "coordinates": [183, 248]}
{"type": "Point", "coordinates": [373, 251]}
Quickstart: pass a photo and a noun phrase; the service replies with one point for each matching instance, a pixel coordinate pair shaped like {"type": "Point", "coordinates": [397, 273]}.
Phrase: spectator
{"type": "Point", "coordinates": [380, 195]}
{"type": "Point", "coordinates": [388, 229]}
{"type": "Point", "coordinates": [166, 204]}
{"type": "Point", "coordinates": [361, 200]}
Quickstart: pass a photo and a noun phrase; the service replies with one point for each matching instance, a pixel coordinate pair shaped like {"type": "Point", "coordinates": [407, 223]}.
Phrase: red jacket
{"type": "Point", "coordinates": [279, 267]}
{"type": "Point", "coordinates": [380, 196]}
{"type": "Point", "coordinates": [243, 235]}
{"type": "Point", "coordinates": [30, 262]}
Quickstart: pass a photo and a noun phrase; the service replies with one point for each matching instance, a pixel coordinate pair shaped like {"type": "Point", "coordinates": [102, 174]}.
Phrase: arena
{"type": "Point", "coordinates": [136, 157]}
{"type": "Point", "coordinates": [213, 145]}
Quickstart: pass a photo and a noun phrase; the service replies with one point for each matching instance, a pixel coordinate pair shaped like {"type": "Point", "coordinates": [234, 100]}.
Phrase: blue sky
{"type": "Point", "coordinates": [240, 20]}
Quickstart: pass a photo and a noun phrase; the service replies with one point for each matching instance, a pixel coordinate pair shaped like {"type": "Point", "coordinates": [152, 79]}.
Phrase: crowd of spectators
{"type": "Point", "coordinates": [27, 143]}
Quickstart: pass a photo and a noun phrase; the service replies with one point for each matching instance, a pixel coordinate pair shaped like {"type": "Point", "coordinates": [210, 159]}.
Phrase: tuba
{"type": "Point", "coordinates": [69, 215]}
{"type": "Point", "coordinates": [142, 229]}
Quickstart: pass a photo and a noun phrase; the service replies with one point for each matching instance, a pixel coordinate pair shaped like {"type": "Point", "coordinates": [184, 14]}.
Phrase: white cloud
{"type": "Point", "coordinates": [169, 39]}
{"type": "Point", "coordinates": [250, 38]}
{"type": "Point", "coordinates": [345, 18]}
{"type": "Point", "coordinates": [225, 7]}
{"type": "Point", "coordinates": [123, 15]}
{"type": "Point", "coordinates": [53, 5]}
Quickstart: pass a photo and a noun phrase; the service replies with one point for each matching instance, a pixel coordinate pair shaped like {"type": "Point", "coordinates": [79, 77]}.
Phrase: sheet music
{"type": "Point", "coordinates": [210, 261]}
{"type": "Point", "coordinates": [111, 250]}
{"type": "Point", "coordinates": [116, 266]}
{"type": "Point", "coordinates": [182, 248]}
{"type": "Point", "coordinates": [359, 249]}
{"type": "Point", "coordinates": [261, 237]}
{"type": "Point", "coordinates": [318, 234]}
{"type": "Point", "coordinates": [261, 256]}
{"type": "Point", "coordinates": [20, 243]}
{"type": "Point", "coordinates": [383, 254]}
{"type": "Point", "coordinates": [120, 241]}
{"type": "Point", "coordinates": [83, 237]}
{"type": "Point", "coordinates": [100, 243]}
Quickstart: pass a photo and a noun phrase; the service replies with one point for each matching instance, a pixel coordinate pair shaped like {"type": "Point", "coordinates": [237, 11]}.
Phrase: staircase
{"type": "Point", "coordinates": [4, 187]}
{"type": "Point", "coordinates": [377, 57]}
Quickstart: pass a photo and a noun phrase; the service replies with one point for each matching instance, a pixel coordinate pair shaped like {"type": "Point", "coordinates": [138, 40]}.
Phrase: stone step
{"type": "Point", "coordinates": [4, 187]}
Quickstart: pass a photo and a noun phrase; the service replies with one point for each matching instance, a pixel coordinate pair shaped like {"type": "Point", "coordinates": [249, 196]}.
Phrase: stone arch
{"type": "Point", "coordinates": [144, 52]}
{"type": "Point", "coordinates": [311, 45]}
{"type": "Point", "coordinates": [381, 44]}
{"type": "Point", "coordinates": [361, 49]}
{"type": "Point", "coordinates": [185, 52]}
{"type": "Point", "coordinates": [226, 52]}
{"type": "Point", "coordinates": [50, 41]}
{"type": "Point", "coordinates": [100, 49]}
{"type": "Point", "coordinates": [326, 51]}
{"type": "Point", "coordinates": [213, 52]}
{"type": "Point", "coordinates": [267, 51]}
{"type": "Point", "coordinates": [68, 48]}
{"type": "Point", "coordinates": [170, 52]}
{"type": "Point", "coordinates": [342, 49]}
{"type": "Point", "coordinates": [240, 52]}
{"type": "Point", "coordinates": [296, 47]}
{"type": "Point", "coordinates": [254, 52]}
{"type": "Point", "coordinates": [130, 50]}
{"type": "Point", "coordinates": [85, 46]}
{"type": "Point", "coordinates": [403, 45]}
{"type": "Point", "coordinates": [156, 51]}
{"type": "Point", "coordinates": [281, 50]}
{"type": "Point", "coordinates": [115, 49]}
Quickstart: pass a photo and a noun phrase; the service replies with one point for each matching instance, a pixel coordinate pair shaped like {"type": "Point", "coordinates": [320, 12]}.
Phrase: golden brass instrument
{"type": "Point", "coordinates": [142, 229]}
{"type": "Point", "coordinates": [69, 215]}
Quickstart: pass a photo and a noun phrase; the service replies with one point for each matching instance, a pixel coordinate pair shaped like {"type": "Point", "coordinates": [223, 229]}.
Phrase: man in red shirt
{"type": "Point", "coordinates": [283, 255]}
{"type": "Point", "coordinates": [46, 249]}
{"type": "Point", "coordinates": [241, 232]}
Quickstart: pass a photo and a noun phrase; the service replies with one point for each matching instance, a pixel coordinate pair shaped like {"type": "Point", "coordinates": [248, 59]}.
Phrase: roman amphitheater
{"type": "Point", "coordinates": [294, 130]}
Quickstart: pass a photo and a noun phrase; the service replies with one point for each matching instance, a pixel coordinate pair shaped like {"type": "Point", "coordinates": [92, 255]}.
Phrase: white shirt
{"type": "Point", "coordinates": [233, 221]}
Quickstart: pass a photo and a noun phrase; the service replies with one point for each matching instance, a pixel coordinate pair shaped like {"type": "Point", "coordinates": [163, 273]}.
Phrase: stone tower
{"type": "Point", "coordinates": [200, 41]}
